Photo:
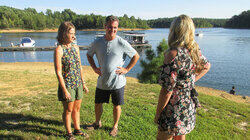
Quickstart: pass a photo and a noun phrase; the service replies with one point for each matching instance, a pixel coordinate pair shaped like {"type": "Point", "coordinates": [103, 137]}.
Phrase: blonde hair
{"type": "Point", "coordinates": [63, 30]}
{"type": "Point", "coordinates": [181, 34]}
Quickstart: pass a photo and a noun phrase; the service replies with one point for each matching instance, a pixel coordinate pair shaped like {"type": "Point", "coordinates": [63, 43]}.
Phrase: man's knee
{"type": "Point", "coordinates": [117, 106]}
{"type": "Point", "coordinates": [98, 106]}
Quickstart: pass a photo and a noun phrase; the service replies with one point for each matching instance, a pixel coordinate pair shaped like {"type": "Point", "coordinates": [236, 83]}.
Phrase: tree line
{"type": "Point", "coordinates": [29, 18]}
{"type": "Point", "coordinates": [239, 21]}
{"type": "Point", "coordinates": [199, 22]}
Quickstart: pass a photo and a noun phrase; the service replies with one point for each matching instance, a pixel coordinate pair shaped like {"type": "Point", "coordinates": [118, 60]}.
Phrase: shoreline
{"type": "Point", "coordinates": [55, 30]}
{"type": "Point", "coordinates": [49, 67]}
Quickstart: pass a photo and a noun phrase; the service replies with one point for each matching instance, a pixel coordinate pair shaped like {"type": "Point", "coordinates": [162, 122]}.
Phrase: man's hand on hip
{"type": "Point", "coordinates": [121, 70]}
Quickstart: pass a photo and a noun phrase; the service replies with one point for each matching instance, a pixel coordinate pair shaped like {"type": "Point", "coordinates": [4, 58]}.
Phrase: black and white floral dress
{"type": "Point", "coordinates": [178, 117]}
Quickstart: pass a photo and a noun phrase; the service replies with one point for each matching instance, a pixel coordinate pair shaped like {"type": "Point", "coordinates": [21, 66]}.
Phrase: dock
{"type": "Point", "coordinates": [49, 48]}
{"type": "Point", "coordinates": [136, 46]}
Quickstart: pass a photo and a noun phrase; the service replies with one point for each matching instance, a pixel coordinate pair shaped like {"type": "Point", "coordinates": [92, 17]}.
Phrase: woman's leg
{"type": "Point", "coordinates": [66, 116]}
{"type": "Point", "coordinates": [180, 137]}
{"type": "Point", "coordinates": [163, 136]}
{"type": "Point", "coordinates": [76, 113]}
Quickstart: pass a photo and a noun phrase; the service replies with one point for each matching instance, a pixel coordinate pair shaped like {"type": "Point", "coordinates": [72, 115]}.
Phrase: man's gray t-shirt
{"type": "Point", "coordinates": [110, 55]}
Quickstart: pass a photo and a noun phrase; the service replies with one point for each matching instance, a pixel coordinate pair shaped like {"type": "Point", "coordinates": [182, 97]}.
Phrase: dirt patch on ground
{"type": "Point", "coordinates": [242, 126]}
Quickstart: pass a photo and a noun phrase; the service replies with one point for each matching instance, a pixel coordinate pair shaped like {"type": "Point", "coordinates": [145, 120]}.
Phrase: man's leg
{"type": "Point", "coordinates": [116, 114]}
{"type": "Point", "coordinates": [98, 113]}
{"type": "Point", "coordinates": [101, 96]}
{"type": "Point", "coordinates": [117, 100]}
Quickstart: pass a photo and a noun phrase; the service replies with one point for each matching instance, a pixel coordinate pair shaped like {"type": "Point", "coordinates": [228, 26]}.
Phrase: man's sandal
{"type": "Point", "coordinates": [94, 126]}
{"type": "Point", "coordinates": [113, 132]}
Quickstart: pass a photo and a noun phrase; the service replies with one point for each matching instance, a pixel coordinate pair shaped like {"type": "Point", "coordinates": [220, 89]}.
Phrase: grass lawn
{"type": "Point", "coordinates": [29, 108]}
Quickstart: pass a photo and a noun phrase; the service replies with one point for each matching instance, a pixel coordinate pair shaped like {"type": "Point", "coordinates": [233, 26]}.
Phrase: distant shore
{"type": "Point", "coordinates": [34, 66]}
{"type": "Point", "coordinates": [55, 30]}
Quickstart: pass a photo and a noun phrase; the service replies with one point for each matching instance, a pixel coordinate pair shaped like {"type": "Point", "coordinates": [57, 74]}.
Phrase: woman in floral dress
{"type": "Point", "coordinates": [183, 65]}
{"type": "Point", "coordinates": [70, 76]}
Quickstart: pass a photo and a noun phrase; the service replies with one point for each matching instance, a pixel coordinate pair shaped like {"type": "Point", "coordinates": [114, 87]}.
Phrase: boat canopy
{"type": "Point", "coordinates": [135, 38]}
{"type": "Point", "coordinates": [26, 40]}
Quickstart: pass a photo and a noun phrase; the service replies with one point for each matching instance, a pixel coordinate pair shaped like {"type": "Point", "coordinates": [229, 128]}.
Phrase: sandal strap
{"type": "Point", "coordinates": [80, 132]}
{"type": "Point", "coordinates": [70, 136]}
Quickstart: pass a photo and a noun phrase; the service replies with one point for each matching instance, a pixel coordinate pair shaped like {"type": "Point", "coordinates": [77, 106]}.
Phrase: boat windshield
{"type": "Point", "coordinates": [26, 40]}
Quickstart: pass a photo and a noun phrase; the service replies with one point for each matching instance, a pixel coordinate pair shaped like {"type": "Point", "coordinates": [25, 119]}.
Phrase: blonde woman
{"type": "Point", "coordinates": [183, 65]}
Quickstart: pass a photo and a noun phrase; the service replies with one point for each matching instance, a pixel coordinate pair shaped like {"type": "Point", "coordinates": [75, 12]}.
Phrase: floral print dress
{"type": "Point", "coordinates": [178, 116]}
{"type": "Point", "coordinates": [71, 68]}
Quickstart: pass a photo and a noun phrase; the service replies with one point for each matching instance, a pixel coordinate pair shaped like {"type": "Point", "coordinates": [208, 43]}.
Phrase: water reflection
{"type": "Point", "coordinates": [141, 50]}
{"type": "Point", "coordinates": [30, 55]}
{"type": "Point", "coordinates": [241, 40]}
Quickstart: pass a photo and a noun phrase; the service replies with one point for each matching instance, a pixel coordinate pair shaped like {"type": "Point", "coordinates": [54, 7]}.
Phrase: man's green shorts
{"type": "Point", "coordinates": [76, 93]}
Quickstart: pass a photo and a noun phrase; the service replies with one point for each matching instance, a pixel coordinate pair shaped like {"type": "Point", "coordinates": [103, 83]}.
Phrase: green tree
{"type": "Point", "coordinates": [68, 15]}
{"type": "Point", "coordinates": [152, 65]}
{"type": "Point", "coordinates": [49, 12]}
{"type": "Point", "coordinates": [4, 23]}
{"type": "Point", "coordinates": [239, 21]}
{"type": "Point", "coordinates": [31, 10]}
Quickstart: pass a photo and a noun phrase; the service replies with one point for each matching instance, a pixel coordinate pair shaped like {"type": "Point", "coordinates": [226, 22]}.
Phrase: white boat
{"type": "Point", "coordinates": [135, 38]}
{"type": "Point", "coordinates": [99, 35]}
{"type": "Point", "coordinates": [27, 42]}
{"type": "Point", "coordinates": [200, 34]}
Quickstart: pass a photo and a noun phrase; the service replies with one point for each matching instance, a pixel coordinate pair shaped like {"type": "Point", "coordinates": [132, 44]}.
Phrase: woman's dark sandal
{"type": "Point", "coordinates": [80, 133]}
{"type": "Point", "coordinates": [70, 136]}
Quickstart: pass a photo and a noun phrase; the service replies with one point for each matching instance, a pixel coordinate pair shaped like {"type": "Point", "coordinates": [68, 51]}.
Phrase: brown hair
{"type": "Point", "coordinates": [181, 34]}
{"type": "Point", "coordinates": [63, 30]}
{"type": "Point", "coordinates": [111, 18]}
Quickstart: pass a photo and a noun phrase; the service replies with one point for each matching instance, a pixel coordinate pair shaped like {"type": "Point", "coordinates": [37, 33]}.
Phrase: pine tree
{"type": "Point", "coordinates": [152, 65]}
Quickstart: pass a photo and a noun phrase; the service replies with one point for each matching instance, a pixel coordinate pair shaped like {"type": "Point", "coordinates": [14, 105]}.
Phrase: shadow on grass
{"type": "Point", "coordinates": [106, 128]}
{"type": "Point", "coordinates": [4, 137]}
{"type": "Point", "coordinates": [28, 124]}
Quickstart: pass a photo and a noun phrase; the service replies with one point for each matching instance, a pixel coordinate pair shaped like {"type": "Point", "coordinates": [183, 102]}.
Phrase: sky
{"type": "Point", "coordinates": [144, 9]}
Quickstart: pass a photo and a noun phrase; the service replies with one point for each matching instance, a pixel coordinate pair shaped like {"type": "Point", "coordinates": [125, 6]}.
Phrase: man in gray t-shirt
{"type": "Point", "coordinates": [111, 51]}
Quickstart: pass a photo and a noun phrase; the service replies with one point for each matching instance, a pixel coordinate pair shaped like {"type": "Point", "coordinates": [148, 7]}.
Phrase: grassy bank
{"type": "Point", "coordinates": [29, 108]}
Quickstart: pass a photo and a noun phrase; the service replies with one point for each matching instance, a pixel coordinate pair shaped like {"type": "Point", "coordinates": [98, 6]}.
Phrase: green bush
{"type": "Point", "coordinates": [152, 65]}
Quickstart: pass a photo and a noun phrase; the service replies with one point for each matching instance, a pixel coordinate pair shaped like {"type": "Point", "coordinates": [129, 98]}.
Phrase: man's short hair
{"type": "Point", "coordinates": [111, 18]}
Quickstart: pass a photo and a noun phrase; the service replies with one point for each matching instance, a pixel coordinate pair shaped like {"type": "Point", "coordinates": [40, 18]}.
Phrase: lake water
{"type": "Point", "coordinates": [228, 51]}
